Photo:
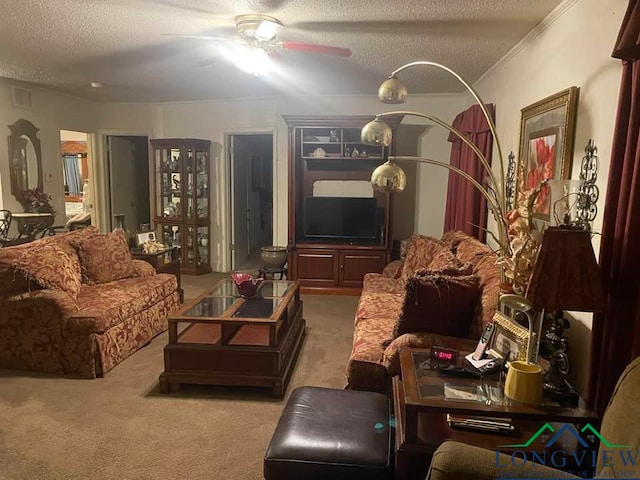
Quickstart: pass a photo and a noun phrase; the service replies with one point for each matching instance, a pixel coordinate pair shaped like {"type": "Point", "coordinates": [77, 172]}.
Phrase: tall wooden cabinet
{"type": "Point", "coordinates": [339, 229]}
{"type": "Point", "coordinates": [182, 203]}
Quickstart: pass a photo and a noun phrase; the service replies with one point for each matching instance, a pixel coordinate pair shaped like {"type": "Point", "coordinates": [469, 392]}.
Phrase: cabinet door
{"type": "Point", "coordinates": [316, 268]}
{"type": "Point", "coordinates": [354, 264]}
{"type": "Point", "coordinates": [168, 176]}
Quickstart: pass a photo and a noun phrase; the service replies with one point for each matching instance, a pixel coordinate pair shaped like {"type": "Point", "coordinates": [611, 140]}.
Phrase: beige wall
{"type": "Point", "coordinates": [571, 47]}
{"type": "Point", "coordinates": [212, 120]}
{"type": "Point", "coordinates": [50, 112]}
{"type": "Point", "coordinates": [53, 112]}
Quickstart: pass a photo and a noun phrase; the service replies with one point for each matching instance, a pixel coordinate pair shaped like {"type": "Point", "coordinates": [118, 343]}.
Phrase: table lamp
{"type": "Point", "coordinates": [566, 277]}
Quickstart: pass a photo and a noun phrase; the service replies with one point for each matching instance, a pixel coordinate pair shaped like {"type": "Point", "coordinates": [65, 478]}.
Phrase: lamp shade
{"type": "Point", "coordinates": [392, 90]}
{"type": "Point", "coordinates": [376, 133]}
{"type": "Point", "coordinates": [388, 178]}
{"type": "Point", "coordinates": [566, 275]}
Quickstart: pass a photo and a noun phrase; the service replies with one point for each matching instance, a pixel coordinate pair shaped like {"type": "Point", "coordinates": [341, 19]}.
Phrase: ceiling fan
{"type": "Point", "coordinates": [260, 32]}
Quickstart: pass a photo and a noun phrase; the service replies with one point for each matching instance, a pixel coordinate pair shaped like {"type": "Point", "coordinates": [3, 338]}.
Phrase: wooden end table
{"type": "Point", "coordinates": [222, 339]}
{"type": "Point", "coordinates": [166, 260]}
{"type": "Point", "coordinates": [420, 408]}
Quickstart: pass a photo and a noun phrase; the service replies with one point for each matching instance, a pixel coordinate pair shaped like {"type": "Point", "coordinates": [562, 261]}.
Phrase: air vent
{"type": "Point", "coordinates": [21, 97]}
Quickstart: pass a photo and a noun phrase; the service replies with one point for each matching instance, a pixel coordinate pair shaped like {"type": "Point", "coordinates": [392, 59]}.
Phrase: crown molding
{"type": "Point", "coordinates": [546, 22]}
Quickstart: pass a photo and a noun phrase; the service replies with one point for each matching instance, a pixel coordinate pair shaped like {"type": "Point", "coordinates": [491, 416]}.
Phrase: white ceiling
{"type": "Point", "coordinates": [66, 44]}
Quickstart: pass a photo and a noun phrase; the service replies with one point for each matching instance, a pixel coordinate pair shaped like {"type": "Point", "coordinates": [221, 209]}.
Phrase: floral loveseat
{"type": "Point", "coordinates": [442, 289]}
{"type": "Point", "coordinates": [78, 304]}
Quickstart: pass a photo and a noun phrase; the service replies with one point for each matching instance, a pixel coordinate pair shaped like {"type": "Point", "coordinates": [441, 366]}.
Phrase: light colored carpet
{"type": "Point", "coordinates": [121, 427]}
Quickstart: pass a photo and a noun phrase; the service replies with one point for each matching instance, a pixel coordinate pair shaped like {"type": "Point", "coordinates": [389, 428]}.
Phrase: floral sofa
{"type": "Point", "coordinates": [78, 304]}
{"type": "Point", "coordinates": [441, 289]}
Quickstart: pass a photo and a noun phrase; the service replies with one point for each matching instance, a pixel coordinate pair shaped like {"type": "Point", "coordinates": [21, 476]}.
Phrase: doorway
{"type": "Point", "coordinates": [128, 180]}
{"type": "Point", "coordinates": [251, 166]}
{"type": "Point", "coordinates": [75, 158]}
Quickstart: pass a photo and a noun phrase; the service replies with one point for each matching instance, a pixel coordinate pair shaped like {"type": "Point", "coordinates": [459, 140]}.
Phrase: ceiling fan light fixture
{"type": "Point", "coordinates": [267, 30]}
{"type": "Point", "coordinates": [254, 61]}
{"type": "Point", "coordinates": [392, 91]}
{"type": "Point", "coordinates": [258, 27]}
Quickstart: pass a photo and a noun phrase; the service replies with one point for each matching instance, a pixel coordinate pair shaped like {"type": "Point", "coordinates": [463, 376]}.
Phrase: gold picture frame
{"type": "Point", "coordinates": [547, 130]}
{"type": "Point", "coordinates": [509, 339]}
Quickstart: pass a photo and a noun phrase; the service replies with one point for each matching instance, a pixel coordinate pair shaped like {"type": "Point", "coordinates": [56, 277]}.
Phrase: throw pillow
{"type": "Point", "coordinates": [421, 251]}
{"type": "Point", "coordinates": [105, 258]}
{"type": "Point", "coordinates": [50, 267]}
{"type": "Point", "coordinates": [443, 260]}
{"type": "Point", "coordinates": [439, 302]}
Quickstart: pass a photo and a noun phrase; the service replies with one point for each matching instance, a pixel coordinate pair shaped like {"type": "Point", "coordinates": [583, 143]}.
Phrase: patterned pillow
{"type": "Point", "coordinates": [50, 267]}
{"type": "Point", "coordinates": [420, 253]}
{"type": "Point", "coordinates": [105, 258]}
{"type": "Point", "coordinates": [439, 302]}
{"type": "Point", "coordinates": [445, 259]}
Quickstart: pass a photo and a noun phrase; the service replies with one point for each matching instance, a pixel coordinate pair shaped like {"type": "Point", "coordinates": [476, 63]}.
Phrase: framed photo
{"type": "Point", "coordinates": [144, 237]}
{"type": "Point", "coordinates": [509, 339]}
{"type": "Point", "coordinates": [546, 144]}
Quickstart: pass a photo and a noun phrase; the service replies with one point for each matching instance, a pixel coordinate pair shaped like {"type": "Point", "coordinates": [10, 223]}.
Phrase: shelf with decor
{"type": "Point", "coordinates": [182, 205]}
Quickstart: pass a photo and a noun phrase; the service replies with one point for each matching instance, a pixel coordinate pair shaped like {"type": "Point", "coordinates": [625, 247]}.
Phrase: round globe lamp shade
{"type": "Point", "coordinates": [392, 91]}
{"type": "Point", "coordinates": [376, 133]}
{"type": "Point", "coordinates": [388, 178]}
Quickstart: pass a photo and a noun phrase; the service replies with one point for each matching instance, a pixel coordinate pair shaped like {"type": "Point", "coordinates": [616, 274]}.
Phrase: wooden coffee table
{"type": "Point", "coordinates": [420, 411]}
{"type": "Point", "coordinates": [222, 339]}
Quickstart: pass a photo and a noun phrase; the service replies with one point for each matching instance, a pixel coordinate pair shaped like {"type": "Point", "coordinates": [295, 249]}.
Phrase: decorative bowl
{"type": "Point", "coordinates": [246, 284]}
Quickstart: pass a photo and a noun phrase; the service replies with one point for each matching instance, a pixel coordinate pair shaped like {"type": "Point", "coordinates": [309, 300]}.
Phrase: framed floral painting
{"type": "Point", "coordinates": [546, 144]}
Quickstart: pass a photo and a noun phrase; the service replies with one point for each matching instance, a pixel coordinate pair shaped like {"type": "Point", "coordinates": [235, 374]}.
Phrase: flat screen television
{"type": "Point", "coordinates": [340, 218]}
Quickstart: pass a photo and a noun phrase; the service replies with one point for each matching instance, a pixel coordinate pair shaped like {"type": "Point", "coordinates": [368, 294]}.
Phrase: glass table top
{"type": "Point", "coordinates": [257, 308]}
{"type": "Point", "coordinates": [268, 288]}
{"type": "Point", "coordinates": [224, 299]}
{"type": "Point", "coordinates": [210, 307]}
{"type": "Point", "coordinates": [486, 393]}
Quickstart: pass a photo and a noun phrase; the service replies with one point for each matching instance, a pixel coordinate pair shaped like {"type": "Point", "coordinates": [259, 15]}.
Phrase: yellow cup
{"type": "Point", "coordinates": [524, 383]}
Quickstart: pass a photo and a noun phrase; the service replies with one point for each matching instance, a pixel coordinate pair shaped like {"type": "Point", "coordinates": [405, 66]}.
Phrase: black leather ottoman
{"type": "Point", "coordinates": [331, 434]}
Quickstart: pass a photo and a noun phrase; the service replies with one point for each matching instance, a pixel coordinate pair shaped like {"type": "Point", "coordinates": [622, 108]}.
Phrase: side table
{"type": "Point", "coordinates": [32, 224]}
{"type": "Point", "coordinates": [420, 408]}
{"type": "Point", "coordinates": [166, 260]}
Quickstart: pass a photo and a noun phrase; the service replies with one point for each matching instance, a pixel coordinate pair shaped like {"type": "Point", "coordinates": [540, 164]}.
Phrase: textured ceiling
{"type": "Point", "coordinates": [66, 44]}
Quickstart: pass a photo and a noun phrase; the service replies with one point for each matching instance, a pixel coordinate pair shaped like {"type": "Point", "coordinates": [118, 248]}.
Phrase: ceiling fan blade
{"type": "Point", "coordinates": [205, 63]}
{"type": "Point", "coordinates": [312, 48]}
{"type": "Point", "coordinates": [202, 37]}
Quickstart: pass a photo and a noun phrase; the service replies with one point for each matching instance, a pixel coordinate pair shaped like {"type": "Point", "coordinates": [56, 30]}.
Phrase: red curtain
{"type": "Point", "coordinates": [615, 336]}
{"type": "Point", "coordinates": [466, 208]}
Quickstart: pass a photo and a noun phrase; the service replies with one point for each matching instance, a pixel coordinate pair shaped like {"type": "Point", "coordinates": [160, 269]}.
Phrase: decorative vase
{"type": "Point", "coordinates": [273, 257]}
{"type": "Point", "coordinates": [119, 224]}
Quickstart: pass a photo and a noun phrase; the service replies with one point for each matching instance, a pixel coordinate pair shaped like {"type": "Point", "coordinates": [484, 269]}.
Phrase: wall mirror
{"type": "Point", "coordinates": [25, 157]}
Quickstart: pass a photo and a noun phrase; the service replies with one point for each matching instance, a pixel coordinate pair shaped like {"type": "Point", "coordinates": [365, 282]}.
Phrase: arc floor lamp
{"type": "Point", "coordinates": [389, 177]}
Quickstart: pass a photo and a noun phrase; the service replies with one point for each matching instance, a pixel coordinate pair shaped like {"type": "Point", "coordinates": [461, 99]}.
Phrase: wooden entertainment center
{"type": "Point", "coordinates": [327, 159]}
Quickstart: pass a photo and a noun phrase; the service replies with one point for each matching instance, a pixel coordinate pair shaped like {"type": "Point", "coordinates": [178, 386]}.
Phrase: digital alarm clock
{"type": "Point", "coordinates": [444, 355]}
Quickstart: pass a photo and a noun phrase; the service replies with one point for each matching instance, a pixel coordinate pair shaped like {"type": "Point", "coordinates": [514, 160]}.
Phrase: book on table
{"type": "Point", "coordinates": [493, 424]}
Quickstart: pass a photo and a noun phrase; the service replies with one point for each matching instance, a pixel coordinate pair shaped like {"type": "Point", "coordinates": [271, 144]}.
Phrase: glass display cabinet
{"type": "Point", "coordinates": [182, 202]}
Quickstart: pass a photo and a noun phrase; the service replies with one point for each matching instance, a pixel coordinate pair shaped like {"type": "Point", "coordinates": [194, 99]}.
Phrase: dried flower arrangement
{"type": "Point", "coordinates": [524, 239]}
{"type": "Point", "coordinates": [35, 200]}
